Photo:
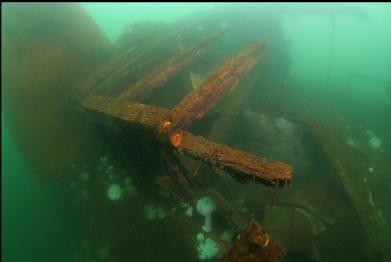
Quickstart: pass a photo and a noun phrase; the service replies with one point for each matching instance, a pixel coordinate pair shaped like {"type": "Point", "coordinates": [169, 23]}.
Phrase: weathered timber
{"type": "Point", "coordinates": [229, 109]}
{"type": "Point", "coordinates": [200, 101]}
{"type": "Point", "coordinates": [243, 166]}
{"type": "Point", "coordinates": [156, 79]}
{"type": "Point", "coordinates": [120, 64]}
{"type": "Point", "coordinates": [139, 114]}
{"type": "Point", "coordinates": [85, 86]}
{"type": "Point", "coordinates": [350, 166]}
{"type": "Point", "coordinates": [253, 244]}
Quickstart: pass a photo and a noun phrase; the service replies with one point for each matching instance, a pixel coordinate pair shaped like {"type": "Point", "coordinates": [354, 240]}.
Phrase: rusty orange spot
{"type": "Point", "coordinates": [176, 139]}
{"type": "Point", "coordinates": [166, 123]}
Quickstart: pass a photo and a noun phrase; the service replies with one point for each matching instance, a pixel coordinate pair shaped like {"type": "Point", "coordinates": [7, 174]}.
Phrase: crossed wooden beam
{"type": "Point", "coordinates": [171, 125]}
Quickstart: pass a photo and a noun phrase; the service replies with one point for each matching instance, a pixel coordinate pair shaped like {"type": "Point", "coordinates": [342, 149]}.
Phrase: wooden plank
{"type": "Point", "coordinates": [119, 65]}
{"type": "Point", "coordinates": [200, 101]}
{"type": "Point", "coordinates": [351, 166]}
{"type": "Point", "coordinates": [228, 108]}
{"type": "Point", "coordinates": [156, 79]}
{"type": "Point", "coordinates": [141, 114]}
{"type": "Point", "coordinates": [243, 166]}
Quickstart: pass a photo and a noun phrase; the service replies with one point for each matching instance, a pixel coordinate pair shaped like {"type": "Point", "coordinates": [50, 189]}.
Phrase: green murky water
{"type": "Point", "coordinates": [323, 63]}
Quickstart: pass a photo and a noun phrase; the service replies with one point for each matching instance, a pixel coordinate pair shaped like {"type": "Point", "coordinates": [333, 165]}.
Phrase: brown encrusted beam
{"type": "Point", "coordinates": [200, 101]}
{"type": "Point", "coordinates": [241, 165]}
{"type": "Point", "coordinates": [85, 86]}
{"type": "Point", "coordinates": [156, 79]}
{"type": "Point", "coordinates": [120, 62]}
{"type": "Point", "coordinates": [140, 114]}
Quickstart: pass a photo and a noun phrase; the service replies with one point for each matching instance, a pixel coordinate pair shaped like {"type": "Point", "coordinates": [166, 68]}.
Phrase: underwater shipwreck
{"type": "Point", "coordinates": [172, 143]}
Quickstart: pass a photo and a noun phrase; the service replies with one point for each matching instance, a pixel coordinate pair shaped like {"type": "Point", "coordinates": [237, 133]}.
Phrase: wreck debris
{"type": "Point", "coordinates": [127, 62]}
{"type": "Point", "coordinates": [253, 244]}
{"type": "Point", "coordinates": [349, 164]}
{"type": "Point", "coordinates": [170, 125]}
{"type": "Point", "coordinates": [142, 88]}
{"type": "Point", "coordinates": [200, 101]}
{"type": "Point", "coordinates": [135, 113]}
{"type": "Point", "coordinates": [241, 165]}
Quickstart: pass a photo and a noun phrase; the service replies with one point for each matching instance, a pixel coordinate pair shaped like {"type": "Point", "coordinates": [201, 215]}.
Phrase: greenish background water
{"type": "Point", "coordinates": [38, 225]}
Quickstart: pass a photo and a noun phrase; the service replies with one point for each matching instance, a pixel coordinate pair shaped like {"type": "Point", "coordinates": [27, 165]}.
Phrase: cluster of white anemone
{"type": "Point", "coordinates": [207, 248]}
{"type": "Point", "coordinates": [205, 206]}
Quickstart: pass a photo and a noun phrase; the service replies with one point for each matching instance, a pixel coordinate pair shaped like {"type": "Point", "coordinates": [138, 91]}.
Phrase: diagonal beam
{"type": "Point", "coordinates": [243, 166]}
{"type": "Point", "coordinates": [156, 79]}
{"type": "Point", "coordinates": [195, 105]}
{"type": "Point", "coordinates": [117, 66]}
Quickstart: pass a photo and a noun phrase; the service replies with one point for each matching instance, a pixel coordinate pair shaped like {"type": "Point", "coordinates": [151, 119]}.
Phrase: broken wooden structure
{"type": "Point", "coordinates": [351, 167]}
{"type": "Point", "coordinates": [170, 125]}
{"type": "Point", "coordinates": [254, 244]}
{"type": "Point", "coordinates": [129, 110]}
{"type": "Point", "coordinates": [121, 94]}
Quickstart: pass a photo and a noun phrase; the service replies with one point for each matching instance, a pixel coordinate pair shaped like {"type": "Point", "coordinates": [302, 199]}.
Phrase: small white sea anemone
{"type": "Point", "coordinates": [85, 176]}
{"type": "Point", "coordinates": [188, 209]}
{"type": "Point", "coordinates": [200, 237]}
{"type": "Point", "coordinates": [151, 213]}
{"type": "Point", "coordinates": [350, 142]}
{"type": "Point", "coordinates": [131, 190]}
{"type": "Point", "coordinates": [110, 170]}
{"type": "Point", "coordinates": [160, 213]}
{"type": "Point", "coordinates": [282, 123]}
{"type": "Point", "coordinates": [207, 249]}
{"type": "Point", "coordinates": [128, 181]}
{"type": "Point", "coordinates": [104, 253]}
{"type": "Point", "coordinates": [189, 212]}
{"type": "Point", "coordinates": [375, 142]}
{"type": "Point", "coordinates": [205, 206]}
{"type": "Point", "coordinates": [114, 192]}
{"type": "Point", "coordinates": [227, 235]}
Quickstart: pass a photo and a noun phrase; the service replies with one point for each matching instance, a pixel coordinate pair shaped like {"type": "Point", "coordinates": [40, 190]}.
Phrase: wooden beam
{"type": "Point", "coordinates": [243, 166]}
{"type": "Point", "coordinates": [156, 79]}
{"type": "Point", "coordinates": [195, 105]}
{"type": "Point", "coordinates": [139, 114]}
